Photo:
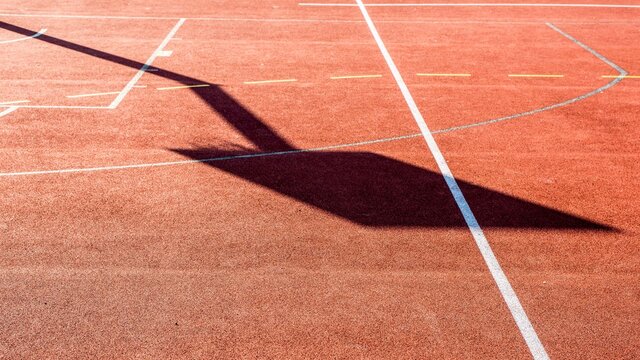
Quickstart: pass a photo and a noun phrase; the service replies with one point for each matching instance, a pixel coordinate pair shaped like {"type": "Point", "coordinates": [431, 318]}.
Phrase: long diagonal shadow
{"type": "Point", "coordinates": [363, 187]}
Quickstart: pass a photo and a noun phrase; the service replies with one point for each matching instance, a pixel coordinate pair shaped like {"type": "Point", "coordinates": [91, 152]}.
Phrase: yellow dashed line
{"type": "Point", "coordinates": [624, 77]}
{"type": "Point", "coordinates": [444, 75]}
{"type": "Point", "coordinates": [355, 77]}
{"type": "Point", "coordinates": [182, 87]}
{"type": "Point", "coordinates": [95, 94]}
{"type": "Point", "coordinates": [269, 81]}
{"type": "Point", "coordinates": [15, 102]}
{"type": "Point", "coordinates": [536, 75]}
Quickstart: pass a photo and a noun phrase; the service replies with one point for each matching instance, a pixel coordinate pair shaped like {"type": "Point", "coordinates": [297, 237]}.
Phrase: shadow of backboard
{"type": "Point", "coordinates": [363, 187]}
{"type": "Point", "coordinates": [375, 190]}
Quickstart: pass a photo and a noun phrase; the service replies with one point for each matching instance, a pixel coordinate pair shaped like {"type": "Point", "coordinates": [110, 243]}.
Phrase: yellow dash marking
{"type": "Point", "coordinates": [444, 75]}
{"type": "Point", "coordinates": [624, 77]}
{"type": "Point", "coordinates": [536, 75]}
{"type": "Point", "coordinates": [183, 87]}
{"type": "Point", "coordinates": [355, 77]}
{"type": "Point", "coordinates": [96, 94]}
{"type": "Point", "coordinates": [269, 81]}
{"type": "Point", "coordinates": [14, 102]}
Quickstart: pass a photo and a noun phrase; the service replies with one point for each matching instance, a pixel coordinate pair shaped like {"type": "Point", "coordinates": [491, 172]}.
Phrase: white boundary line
{"type": "Point", "coordinates": [55, 107]}
{"type": "Point", "coordinates": [601, 89]}
{"type": "Point", "coordinates": [9, 103]}
{"type": "Point", "coordinates": [159, 51]}
{"type": "Point", "coordinates": [617, 6]}
{"type": "Point", "coordinates": [8, 111]}
{"type": "Point", "coordinates": [294, 20]}
{"type": "Point", "coordinates": [509, 295]}
{"type": "Point", "coordinates": [208, 160]}
{"type": "Point", "coordinates": [42, 31]}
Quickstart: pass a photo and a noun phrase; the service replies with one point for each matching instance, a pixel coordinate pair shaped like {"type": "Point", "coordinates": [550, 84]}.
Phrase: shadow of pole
{"type": "Point", "coordinates": [363, 187]}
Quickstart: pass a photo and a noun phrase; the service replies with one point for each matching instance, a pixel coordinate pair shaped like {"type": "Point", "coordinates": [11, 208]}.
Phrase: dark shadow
{"type": "Point", "coordinates": [255, 130]}
{"type": "Point", "coordinates": [374, 190]}
{"type": "Point", "coordinates": [363, 187]}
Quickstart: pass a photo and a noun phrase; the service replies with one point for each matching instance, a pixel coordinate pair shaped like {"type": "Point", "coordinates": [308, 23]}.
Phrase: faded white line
{"type": "Point", "coordinates": [57, 107]}
{"type": "Point", "coordinates": [41, 32]}
{"type": "Point", "coordinates": [186, 162]}
{"type": "Point", "coordinates": [8, 111]}
{"type": "Point", "coordinates": [146, 65]}
{"type": "Point", "coordinates": [14, 102]}
{"type": "Point", "coordinates": [294, 20]}
{"type": "Point", "coordinates": [621, 6]}
{"type": "Point", "coordinates": [622, 74]}
{"type": "Point", "coordinates": [511, 299]}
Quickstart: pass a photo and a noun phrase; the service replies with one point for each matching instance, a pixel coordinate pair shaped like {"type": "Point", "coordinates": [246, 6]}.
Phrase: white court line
{"type": "Point", "coordinates": [517, 311]}
{"type": "Point", "coordinates": [55, 107]}
{"type": "Point", "coordinates": [94, 94]}
{"type": "Point", "coordinates": [8, 111]}
{"type": "Point", "coordinates": [361, 143]}
{"type": "Point", "coordinates": [14, 102]}
{"type": "Point", "coordinates": [196, 161]}
{"type": "Point", "coordinates": [294, 20]}
{"type": "Point", "coordinates": [42, 31]}
{"type": "Point", "coordinates": [621, 6]}
{"type": "Point", "coordinates": [146, 65]}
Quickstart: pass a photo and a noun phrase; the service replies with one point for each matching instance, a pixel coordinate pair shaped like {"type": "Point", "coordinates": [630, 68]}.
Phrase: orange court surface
{"type": "Point", "coordinates": [278, 179]}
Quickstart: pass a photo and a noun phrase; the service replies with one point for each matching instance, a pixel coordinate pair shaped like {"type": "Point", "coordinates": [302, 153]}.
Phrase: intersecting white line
{"type": "Point", "coordinates": [506, 290]}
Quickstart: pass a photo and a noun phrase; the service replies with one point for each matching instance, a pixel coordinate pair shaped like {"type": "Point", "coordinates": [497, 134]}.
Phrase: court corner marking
{"type": "Point", "coordinates": [157, 53]}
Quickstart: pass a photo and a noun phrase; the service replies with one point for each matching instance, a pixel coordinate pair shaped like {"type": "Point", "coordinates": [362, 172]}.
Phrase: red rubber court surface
{"type": "Point", "coordinates": [291, 180]}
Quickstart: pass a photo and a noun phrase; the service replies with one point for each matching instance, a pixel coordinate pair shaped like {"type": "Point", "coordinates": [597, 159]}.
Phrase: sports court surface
{"type": "Point", "coordinates": [276, 179]}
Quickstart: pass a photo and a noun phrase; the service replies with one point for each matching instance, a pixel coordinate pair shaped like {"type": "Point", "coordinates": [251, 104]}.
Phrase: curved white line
{"type": "Point", "coordinates": [195, 161]}
{"type": "Point", "coordinates": [39, 33]}
{"type": "Point", "coordinates": [622, 73]}
{"type": "Point", "coordinates": [324, 148]}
